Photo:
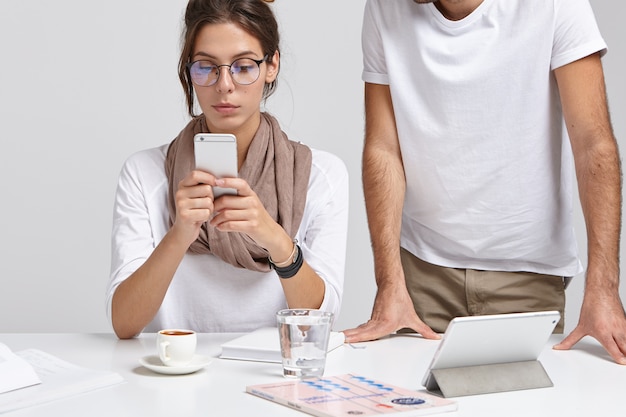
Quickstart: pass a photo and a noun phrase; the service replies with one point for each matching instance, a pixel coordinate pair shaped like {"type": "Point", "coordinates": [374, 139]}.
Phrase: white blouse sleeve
{"type": "Point", "coordinates": [325, 225]}
{"type": "Point", "coordinates": [138, 225]}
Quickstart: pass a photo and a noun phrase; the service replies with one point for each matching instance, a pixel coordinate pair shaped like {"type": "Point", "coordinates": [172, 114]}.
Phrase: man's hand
{"type": "Point", "coordinates": [602, 317]}
{"type": "Point", "coordinates": [393, 310]}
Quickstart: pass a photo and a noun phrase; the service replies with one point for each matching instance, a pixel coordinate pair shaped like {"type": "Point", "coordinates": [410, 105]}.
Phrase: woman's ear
{"type": "Point", "coordinates": [272, 68]}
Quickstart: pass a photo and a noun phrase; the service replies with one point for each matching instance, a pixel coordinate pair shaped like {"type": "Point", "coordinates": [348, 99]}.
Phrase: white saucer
{"type": "Point", "coordinates": [154, 363]}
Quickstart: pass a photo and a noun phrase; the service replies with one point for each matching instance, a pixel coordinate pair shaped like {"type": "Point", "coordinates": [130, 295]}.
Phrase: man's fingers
{"type": "Point", "coordinates": [427, 332]}
{"type": "Point", "coordinates": [367, 331]}
{"type": "Point", "coordinates": [373, 330]}
{"type": "Point", "coordinates": [612, 347]}
{"type": "Point", "coordinates": [573, 338]}
{"type": "Point", "coordinates": [615, 351]}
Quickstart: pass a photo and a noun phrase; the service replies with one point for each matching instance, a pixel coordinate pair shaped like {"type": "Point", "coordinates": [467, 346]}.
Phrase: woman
{"type": "Point", "coordinates": [181, 258]}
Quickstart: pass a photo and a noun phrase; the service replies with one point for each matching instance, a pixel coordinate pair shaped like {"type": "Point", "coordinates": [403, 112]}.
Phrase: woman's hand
{"type": "Point", "coordinates": [246, 214]}
{"type": "Point", "coordinates": [194, 204]}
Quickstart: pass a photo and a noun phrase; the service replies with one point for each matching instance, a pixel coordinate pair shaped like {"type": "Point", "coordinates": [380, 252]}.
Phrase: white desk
{"type": "Point", "coordinates": [586, 381]}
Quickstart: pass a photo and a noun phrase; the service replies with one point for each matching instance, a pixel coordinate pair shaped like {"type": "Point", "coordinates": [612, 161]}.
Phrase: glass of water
{"type": "Point", "coordinates": [304, 337]}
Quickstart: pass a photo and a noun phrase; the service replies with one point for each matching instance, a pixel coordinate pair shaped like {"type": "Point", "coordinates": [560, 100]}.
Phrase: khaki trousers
{"type": "Point", "coordinates": [439, 293]}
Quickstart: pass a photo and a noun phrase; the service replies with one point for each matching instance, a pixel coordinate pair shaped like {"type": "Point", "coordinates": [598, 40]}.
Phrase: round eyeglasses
{"type": "Point", "coordinates": [243, 71]}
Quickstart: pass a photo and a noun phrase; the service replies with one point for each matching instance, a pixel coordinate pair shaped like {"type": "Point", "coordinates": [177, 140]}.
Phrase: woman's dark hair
{"type": "Point", "coordinates": [253, 16]}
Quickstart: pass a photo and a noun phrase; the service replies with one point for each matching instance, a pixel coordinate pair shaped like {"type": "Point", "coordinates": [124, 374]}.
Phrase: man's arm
{"type": "Point", "coordinates": [583, 97]}
{"type": "Point", "coordinates": [384, 188]}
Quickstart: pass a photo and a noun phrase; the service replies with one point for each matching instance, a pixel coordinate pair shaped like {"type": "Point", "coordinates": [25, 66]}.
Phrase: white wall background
{"type": "Point", "coordinates": [85, 84]}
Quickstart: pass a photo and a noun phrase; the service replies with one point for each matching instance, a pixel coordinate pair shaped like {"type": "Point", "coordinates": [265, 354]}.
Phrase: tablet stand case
{"type": "Point", "coordinates": [484, 379]}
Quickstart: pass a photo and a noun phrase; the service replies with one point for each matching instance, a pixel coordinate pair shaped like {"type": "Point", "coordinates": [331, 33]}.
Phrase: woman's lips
{"type": "Point", "coordinates": [225, 108]}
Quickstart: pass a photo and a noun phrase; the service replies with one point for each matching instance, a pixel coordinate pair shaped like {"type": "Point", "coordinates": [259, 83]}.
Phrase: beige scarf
{"type": "Point", "coordinates": [276, 168]}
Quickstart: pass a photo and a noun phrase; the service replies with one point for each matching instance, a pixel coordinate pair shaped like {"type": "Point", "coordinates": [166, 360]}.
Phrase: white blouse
{"type": "Point", "coordinates": [206, 293]}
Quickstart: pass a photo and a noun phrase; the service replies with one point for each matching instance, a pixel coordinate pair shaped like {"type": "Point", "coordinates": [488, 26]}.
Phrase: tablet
{"type": "Point", "coordinates": [492, 339]}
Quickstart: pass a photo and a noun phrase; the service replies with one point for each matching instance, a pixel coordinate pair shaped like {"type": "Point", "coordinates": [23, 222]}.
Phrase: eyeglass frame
{"type": "Point", "coordinates": [258, 62]}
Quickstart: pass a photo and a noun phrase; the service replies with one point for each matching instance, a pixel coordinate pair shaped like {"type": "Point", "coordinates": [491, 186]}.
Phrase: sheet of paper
{"type": "Point", "coordinates": [15, 372]}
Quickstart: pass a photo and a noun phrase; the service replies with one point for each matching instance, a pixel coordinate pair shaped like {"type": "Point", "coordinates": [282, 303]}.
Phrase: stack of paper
{"type": "Point", "coordinates": [53, 379]}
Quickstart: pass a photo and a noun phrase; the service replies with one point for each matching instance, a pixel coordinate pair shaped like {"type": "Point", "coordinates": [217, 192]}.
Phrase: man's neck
{"type": "Point", "coordinates": [457, 9]}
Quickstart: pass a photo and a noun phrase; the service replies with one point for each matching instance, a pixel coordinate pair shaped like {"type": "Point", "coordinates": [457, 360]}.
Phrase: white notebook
{"type": "Point", "coordinates": [262, 345]}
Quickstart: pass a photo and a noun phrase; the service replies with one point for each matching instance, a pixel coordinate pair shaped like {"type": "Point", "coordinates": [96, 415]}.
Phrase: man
{"type": "Point", "coordinates": [479, 116]}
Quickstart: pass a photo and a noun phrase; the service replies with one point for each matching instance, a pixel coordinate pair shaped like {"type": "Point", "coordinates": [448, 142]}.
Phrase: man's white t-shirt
{"type": "Point", "coordinates": [487, 158]}
{"type": "Point", "coordinates": [206, 293]}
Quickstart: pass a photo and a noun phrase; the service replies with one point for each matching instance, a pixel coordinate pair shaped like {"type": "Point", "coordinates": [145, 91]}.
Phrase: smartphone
{"type": "Point", "coordinates": [216, 153]}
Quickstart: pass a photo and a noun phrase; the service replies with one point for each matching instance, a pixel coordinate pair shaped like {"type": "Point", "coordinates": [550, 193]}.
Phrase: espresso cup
{"type": "Point", "coordinates": [176, 347]}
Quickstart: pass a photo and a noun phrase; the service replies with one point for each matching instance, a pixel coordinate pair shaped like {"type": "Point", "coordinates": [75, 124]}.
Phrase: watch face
{"type": "Point", "coordinates": [296, 255]}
